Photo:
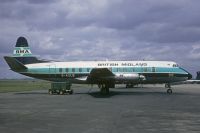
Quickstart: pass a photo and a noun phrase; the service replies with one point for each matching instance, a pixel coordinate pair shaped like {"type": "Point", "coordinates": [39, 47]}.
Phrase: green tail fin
{"type": "Point", "coordinates": [21, 48]}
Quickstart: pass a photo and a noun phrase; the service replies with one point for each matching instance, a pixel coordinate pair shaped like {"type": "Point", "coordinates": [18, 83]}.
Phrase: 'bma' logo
{"type": "Point", "coordinates": [22, 51]}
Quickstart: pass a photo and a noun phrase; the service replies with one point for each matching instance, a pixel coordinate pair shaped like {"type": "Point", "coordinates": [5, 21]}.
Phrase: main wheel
{"type": "Point", "coordinates": [169, 91]}
{"type": "Point", "coordinates": [71, 92]}
{"type": "Point", "coordinates": [100, 86]}
{"type": "Point", "coordinates": [107, 90]}
{"type": "Point", "coordinates": [102, 91]}
{"type": "Point", "coordinates": [61, 92]}
{"type": "Point", "coordinates": [50, 92]}
{"type": "Point", "coordinates": [127, 86]}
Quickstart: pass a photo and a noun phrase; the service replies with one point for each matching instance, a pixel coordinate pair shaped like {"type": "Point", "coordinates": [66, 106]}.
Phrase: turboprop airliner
{"type": "Point", "coordinates": [106, 74]}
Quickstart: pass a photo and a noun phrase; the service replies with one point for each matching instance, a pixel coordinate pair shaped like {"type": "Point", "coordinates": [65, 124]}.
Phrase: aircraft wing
{"type": "Point", "coordinates": [99, 74]}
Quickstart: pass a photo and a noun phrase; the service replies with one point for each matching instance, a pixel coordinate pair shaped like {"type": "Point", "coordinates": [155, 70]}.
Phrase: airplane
{"type": "Point", "coordinates": [105, 74]}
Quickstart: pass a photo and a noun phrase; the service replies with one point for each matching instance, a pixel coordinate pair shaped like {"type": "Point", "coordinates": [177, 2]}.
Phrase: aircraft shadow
{"type": "Point", "coordinates": [128, 93]}
{"type": "Point", "coordinates": [30, 93]}
{"type": "Point", "coordinates": [97, 94]}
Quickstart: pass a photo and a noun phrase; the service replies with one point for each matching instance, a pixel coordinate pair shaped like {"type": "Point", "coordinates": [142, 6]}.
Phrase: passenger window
{"type": "Point", "coordinates": [117, 69]}
{"type": "Point", "coordinates": [153, 69]}
{"type": "Point", "coordinates": [60, 70]}
{"type": "Point", "coordinates": [113, 69]}
{"type": "Point", "coordinates": [175, 65]}
{"type": "Point", "coordinates": [120, 69]}
{"type": "Point", "coordinates": [130, 70]}
{"type": "Point", "coordinates": [145, 69]}
{"type": "Point", "coordinates": [67, 70]}
{"type": "Point", "coordinates": [80, 69]}
{"type": "Point", "coordinates": [73, 69]}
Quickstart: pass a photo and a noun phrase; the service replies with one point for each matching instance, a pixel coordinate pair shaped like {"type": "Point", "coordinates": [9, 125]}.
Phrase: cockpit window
{"type": "Point", "coordinates": [175, 65]}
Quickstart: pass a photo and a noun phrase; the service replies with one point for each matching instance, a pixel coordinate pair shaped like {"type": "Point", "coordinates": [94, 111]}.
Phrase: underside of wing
{"type": "Point", "coordinates": [99, 74]}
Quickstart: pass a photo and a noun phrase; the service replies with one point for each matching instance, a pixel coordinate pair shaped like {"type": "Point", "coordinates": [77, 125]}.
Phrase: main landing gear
{"type": "Point", "coordinates": [169, 90]}
{"type": "Point", "coordinates": [129, 85]}
{"type": "Point", "coordinates": [104, 88]}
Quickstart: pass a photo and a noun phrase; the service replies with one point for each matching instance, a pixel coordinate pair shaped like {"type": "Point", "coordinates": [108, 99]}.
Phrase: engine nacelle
{"type": "Point", "coordinates": [133, 76]}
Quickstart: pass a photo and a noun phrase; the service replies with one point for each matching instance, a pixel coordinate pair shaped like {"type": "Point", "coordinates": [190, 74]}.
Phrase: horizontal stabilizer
{"type": "Point", "coordinates": [14, 64]}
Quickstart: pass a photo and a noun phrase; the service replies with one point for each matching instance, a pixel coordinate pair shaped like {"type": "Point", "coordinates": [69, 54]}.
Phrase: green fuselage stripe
{"type": "Point", "coordinates": [114, 70]}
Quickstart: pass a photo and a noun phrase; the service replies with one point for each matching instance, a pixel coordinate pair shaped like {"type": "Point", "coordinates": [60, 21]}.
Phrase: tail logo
{"type": "Point", "coordinates": [22, 51]}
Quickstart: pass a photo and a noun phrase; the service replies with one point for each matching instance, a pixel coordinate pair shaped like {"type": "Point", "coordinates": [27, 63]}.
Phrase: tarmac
{"type": "Point", "coordinates": [141, 110]}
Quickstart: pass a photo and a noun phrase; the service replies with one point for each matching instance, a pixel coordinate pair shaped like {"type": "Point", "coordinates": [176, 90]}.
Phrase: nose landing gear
{"type": "Point", "coordinates": [169, 90]}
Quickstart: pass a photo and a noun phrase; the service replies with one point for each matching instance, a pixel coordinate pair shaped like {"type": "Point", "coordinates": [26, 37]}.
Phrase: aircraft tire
{"type": "Point", "coordinates": [107, 90]}
{"type": "Point", "coordinates": [61, 92]}
{"type": "Point", "coordinates": [129, 85]}
{"type": "Point", "coordinates": [169, 91]}
{"type": "Point", "coordinates": [100, 86]}
{"type": "Point", "coordinates": [71, 92]}
{"type": "Point", "coordinates": [102, 90]}
{"type": "Point", "coordinates": [50, 92]}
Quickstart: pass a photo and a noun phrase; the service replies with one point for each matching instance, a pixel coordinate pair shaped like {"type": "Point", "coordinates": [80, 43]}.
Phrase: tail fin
{"type": "Point", "coordinates": [21, 48]}
{"type": "Point", "coordinates": [21, 56]}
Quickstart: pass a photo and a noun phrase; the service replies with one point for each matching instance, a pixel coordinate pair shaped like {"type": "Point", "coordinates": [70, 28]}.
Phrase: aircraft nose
{"type": "Point", "coordinates": [189, 76]}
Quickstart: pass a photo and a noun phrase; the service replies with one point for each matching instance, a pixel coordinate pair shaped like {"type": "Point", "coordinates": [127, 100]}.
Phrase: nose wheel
{"type": "Point", "coordinates": [169, 90]}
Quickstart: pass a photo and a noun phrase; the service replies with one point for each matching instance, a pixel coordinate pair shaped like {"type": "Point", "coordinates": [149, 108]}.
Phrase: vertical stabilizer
{"type": "Point", "coordinates": [21, 48]}
{"type": "Point", "coordinates": [21, 55]}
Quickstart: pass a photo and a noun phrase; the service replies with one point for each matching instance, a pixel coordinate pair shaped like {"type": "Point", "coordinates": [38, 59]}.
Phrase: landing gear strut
{"type": "Point", "coordinates": [169, 90]}
{"type": "Point", "coordinates": [129, 85]}
{"type": "Point", "coordinates": [104, 88]}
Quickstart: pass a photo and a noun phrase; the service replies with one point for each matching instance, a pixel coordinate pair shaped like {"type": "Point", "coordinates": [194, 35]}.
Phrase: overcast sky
{"type": "Point", "coordinates": [103, 29]}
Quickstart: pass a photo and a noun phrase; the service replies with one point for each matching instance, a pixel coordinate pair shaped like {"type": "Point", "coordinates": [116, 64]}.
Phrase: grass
{"type": "Point", "coordinates": [23, 85]}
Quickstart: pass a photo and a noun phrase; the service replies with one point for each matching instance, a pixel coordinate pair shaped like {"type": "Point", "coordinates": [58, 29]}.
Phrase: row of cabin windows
{"type": "Point", "coordinates": [145, 69]}
{"type": "Point", "coordinates": [74, 70]}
